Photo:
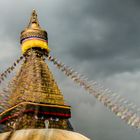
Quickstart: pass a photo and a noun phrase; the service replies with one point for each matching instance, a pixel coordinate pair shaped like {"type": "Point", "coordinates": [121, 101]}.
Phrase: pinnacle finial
{"type": "Point", "coordinates": [34, 20]}
{"type": "Point", "coordinates": [33, 35]}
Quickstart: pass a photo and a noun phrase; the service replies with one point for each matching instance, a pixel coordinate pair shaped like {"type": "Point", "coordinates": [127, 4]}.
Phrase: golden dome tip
{"type": "Point", "coordinates": [34, 20]}
{"type": "Point", "coordinates": [33, 35]}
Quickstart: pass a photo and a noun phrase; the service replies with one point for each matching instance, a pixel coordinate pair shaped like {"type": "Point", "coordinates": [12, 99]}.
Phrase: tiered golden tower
{"type": "Point", "coordinates": [35, 100]}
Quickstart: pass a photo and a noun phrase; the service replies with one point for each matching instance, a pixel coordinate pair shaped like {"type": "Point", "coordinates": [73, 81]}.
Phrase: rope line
{"type": "Point", "coordinates": [113, 102]}
{"type": "Point", "coordinates": [10, 69]}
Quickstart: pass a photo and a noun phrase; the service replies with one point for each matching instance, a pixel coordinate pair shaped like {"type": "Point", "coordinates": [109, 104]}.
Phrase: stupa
{"type": "Point", "coordinates": [36, 107]}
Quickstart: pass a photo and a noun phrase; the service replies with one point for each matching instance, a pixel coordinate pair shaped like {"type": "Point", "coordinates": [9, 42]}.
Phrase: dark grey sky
{"type": "Point", "coordinates": [98, 38]}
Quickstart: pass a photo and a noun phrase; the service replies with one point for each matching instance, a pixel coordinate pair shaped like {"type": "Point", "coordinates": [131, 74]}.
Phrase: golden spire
{"type": "Point", "coordinates": [34, 95]}
{"type": "Point", "coordinates": [35, 83]}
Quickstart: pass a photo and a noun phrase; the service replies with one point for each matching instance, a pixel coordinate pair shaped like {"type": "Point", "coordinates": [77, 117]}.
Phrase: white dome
{"type": "Point", "coordinates": [43, 134]}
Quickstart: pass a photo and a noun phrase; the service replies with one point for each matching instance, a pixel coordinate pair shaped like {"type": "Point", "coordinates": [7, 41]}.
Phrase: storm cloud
{"type": "Point", "coordinates": [98, 38]}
